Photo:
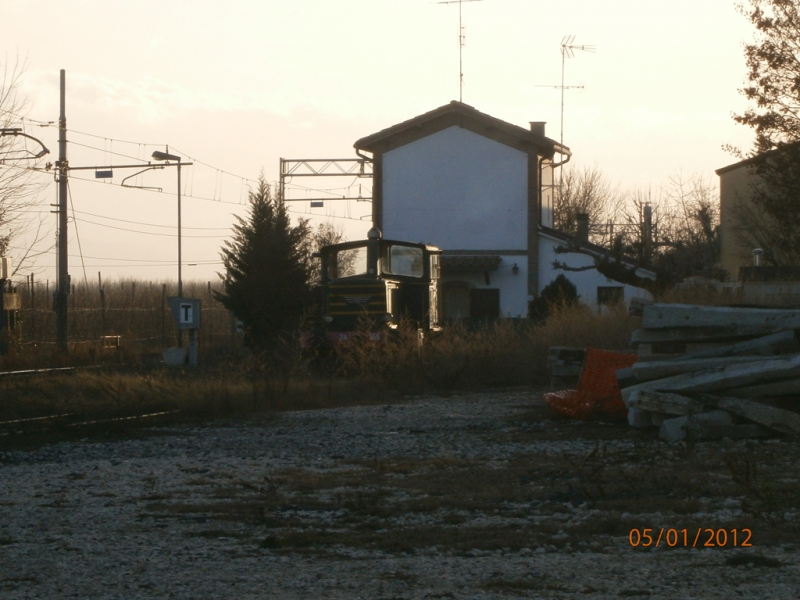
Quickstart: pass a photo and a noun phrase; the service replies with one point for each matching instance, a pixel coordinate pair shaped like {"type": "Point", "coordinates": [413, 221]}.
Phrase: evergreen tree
{"type": "Point", "coordinates": [559, 293]}
{"type": "Point", "coordinates": [773, 73]}
{"type": "Point", "coordinates": [267, 271]}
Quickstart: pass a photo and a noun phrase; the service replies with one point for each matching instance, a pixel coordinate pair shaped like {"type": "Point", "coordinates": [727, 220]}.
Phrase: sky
{"type": "Point", "coordinates": [235, 86]}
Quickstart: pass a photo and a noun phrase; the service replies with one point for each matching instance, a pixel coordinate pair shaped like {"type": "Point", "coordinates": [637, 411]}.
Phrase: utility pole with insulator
{"type": "Point", "coordinates": [62, 289]}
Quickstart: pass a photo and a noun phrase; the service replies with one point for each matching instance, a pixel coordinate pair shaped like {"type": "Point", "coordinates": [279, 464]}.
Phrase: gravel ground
{"type": "Point", "coordinates": [144, 516]}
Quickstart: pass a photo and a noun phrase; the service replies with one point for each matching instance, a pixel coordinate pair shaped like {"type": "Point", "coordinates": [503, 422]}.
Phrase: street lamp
{"type": "Point", "coordinates": [157, 155]}
{"type": "Point", "coordinates": [166, 157]}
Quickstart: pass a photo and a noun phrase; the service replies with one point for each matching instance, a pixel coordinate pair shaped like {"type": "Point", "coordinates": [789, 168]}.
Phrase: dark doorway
{"type": "Point", "coordinates": [484, 304]}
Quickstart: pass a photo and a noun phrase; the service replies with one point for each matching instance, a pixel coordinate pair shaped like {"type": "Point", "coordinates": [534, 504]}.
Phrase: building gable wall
{"type": "Point", "coordinates": [735, 202]}
{"type": "Point", "coordinates": [458, 190]}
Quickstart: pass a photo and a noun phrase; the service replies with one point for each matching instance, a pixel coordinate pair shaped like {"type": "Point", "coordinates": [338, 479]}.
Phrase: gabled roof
{"type": "Point", "coordinates": [742, 163]}
{"type": "Point", "coordinates": [464, 116]}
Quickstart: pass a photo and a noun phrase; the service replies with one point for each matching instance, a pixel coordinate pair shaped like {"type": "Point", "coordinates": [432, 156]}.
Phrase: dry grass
{"type": "Point", "coordinates": [92, 402]}
{"type": "Point", "coordinates": [503, 353]}
{"type": "Point", "coordinates": [235, 382]}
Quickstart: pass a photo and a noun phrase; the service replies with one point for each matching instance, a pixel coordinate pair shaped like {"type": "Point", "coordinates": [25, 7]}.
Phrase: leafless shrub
{"type": "Point", "coordinates": [20, 185]}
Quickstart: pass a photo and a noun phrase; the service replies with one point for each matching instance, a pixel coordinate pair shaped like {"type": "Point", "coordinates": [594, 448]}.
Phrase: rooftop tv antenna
{"type": "Point", "coordinates": [461, 38]}
{"type": "Point", "coordinates": [568, 51]}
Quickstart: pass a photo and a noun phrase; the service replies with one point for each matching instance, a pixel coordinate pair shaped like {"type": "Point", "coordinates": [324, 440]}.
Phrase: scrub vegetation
{"type": "Point", "coordinates": [234, 380]}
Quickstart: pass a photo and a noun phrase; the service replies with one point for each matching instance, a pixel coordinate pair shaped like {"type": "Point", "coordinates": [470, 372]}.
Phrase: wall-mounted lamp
{"type": "Point", "coordinates": [515, 269]}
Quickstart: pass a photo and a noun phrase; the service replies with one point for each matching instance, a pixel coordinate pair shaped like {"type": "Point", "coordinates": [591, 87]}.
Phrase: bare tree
{"type": "Point", "coordinates": [20, 185]}
{"type": "Point", "coordinates": [586, 190]}
{"type": "Point", "coordinates": [629, 232]}
{"type": "Point", "coordinates": [680, 237]}
{"type": "Point", "coordinates": [326, 234]}
{"type": "Point", "coordinates": [690, 236]}
{"type": "Point", "coordinates": [673, 231]}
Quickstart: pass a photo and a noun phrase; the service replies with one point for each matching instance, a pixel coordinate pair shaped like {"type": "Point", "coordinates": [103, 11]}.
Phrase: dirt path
{"type": "Point", "coordinates": [478, 496]}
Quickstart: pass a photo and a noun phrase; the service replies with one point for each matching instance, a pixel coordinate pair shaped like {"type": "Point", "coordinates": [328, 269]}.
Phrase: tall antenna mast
{"type": "Point", "coordinates": [568, 51]}
{"type": "Point", "coordinates": [461, 38]}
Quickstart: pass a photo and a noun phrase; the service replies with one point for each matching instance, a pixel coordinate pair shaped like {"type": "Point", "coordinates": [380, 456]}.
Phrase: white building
{"type": "Point", "coordinates": [481, 190]}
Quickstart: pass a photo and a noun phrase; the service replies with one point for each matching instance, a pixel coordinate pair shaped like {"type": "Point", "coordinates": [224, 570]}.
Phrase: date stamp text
{"type": "Point", "coordinates": [690, 538]}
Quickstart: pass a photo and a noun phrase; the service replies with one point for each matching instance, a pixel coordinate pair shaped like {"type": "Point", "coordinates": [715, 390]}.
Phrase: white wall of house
{"type": "Point", "coordinates": [513, 288]}
{"type": "Point", "coordinates": [457, 190]}
{"type": "Point", "coordinates": [586, 282]}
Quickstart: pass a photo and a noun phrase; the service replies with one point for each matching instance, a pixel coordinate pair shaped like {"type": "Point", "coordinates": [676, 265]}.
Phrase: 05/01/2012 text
{"type": "Point", "coordinates": [703, 537]}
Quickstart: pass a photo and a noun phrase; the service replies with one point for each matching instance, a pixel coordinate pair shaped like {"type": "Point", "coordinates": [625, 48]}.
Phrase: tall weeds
{"type": "Point", "coordinates": [505, 352]}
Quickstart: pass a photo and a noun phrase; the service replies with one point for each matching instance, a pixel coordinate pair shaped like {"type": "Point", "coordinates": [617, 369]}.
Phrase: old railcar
{"type": "Point", "coordinates": [370, 286]}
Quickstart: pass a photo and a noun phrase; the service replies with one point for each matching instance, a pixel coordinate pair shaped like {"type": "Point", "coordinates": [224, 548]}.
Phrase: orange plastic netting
{"type": "Point", "coordinates": [598, 390]}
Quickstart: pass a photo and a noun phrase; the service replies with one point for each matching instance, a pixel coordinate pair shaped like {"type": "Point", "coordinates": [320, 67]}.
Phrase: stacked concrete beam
{"type": "Point", "coordinates": [751, 356]}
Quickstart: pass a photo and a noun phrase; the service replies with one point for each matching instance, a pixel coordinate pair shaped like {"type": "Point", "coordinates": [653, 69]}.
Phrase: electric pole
{"type": "Point", "coordinates": [62, 289]}
{"type": "Point", "coordinates": [60, 304]}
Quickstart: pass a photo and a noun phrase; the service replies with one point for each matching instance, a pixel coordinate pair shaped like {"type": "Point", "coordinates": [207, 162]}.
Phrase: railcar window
{"type": "Point", "coordinates": [348, 262]}
{"type": "Point", "coordinates": [403, 260]}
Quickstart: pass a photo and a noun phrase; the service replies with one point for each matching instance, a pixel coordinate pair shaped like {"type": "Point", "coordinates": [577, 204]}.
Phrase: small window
{"type": "Point", "coordinates": [610, 295]}
{"type": "Point", "coordinates": [404, 261]}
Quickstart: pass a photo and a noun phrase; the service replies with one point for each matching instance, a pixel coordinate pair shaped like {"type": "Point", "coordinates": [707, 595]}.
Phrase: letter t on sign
{"type": "Point", "coordinates": [186, 313]}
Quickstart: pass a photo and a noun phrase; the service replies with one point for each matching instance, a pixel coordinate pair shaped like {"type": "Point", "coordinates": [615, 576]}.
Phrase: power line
{"type": "Point", "coordinates": [24, 118]}
{"type": "Point", "coordinates": [148, 260]}
{"type": "Point", "coordinates": [185, 195]}
{"type": "Point", "coordinates": [150, 266]}
{"type": "Point", "coordinates": [77, 235]}
{"type": "Point", "coordinates": [110, 139]}
{"type": "Point", "coordinates": [145, 232]}
{"type": "Point", "coordinates": [184, 154]}
{"type": "Point", "coordinates": [207, 199]}
{"type": "Point", "coordinates": [200, 162]}
{"type": "Point", "coordinates": [82, 212]}
{"type": "Point", "coordinates": [105, 151]}
{"type": "Point", "coordinates": [143, 260]}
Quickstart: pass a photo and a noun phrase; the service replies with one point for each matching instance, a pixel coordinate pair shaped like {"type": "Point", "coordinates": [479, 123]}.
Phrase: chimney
{"type": "Point", "coordinates": [647, 231]}
{"type": "Point", "coordinates": [537, 127]}
{"type": "Point", "coordinates": [757, 253]}
{"type": "Point", "coordinates": [582, 234]}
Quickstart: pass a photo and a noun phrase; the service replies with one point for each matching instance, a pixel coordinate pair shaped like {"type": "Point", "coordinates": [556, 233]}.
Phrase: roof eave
{"type": "Point", "coordinates": [547, 146]}
{"type": "Point", "coordinates": [590, 249]}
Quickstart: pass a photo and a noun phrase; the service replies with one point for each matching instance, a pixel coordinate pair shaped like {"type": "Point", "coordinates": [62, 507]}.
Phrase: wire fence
{"type": "Point", "coordinates": [138, 311]}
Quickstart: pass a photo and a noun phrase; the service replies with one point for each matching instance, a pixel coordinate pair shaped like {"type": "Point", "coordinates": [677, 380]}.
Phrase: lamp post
{"type": "Point", "coordinates": [164, 156]}
{"type": "Point", "coordinates": [167, 157]}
